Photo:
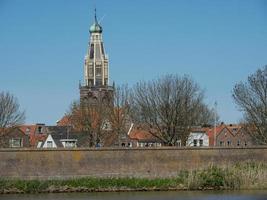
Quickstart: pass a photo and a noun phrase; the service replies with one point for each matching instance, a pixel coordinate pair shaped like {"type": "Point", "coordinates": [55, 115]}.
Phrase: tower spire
{"type": "Point", "coordinates": [96, 68]}
{"type": "Point", "coordinates": [95, 17]}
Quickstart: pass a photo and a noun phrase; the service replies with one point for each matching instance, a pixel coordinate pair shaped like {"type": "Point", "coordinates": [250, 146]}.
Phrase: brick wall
{"type": "Point", "coordinates": [163, 162]}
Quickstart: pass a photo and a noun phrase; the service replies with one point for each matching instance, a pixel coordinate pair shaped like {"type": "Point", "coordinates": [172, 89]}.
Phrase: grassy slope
{"type": "Point", "coordinates": [240, 176]}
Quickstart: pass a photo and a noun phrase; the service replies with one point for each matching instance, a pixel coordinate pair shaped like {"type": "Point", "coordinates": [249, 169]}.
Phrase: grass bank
{"type": "Point", "coordinates": [239, 176]}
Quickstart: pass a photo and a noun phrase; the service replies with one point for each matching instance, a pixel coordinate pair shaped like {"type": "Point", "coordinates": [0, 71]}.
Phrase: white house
{"type": "Point", "coordinates": [48, 143]}
{"type": "Point", "coordinates": [55, 142]}
{"type": "Point", "coordinates": [69, 143]}
{"type": "Point", "coordinates": [198, 139]}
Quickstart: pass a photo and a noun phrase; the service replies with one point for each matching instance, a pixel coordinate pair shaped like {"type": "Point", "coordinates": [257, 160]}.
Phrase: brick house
{"type": "Point", "coordinates": [36, 133]}
{"type": "Point", "coordinates": [233, 136]}
{"type": "Point", "coordinates": [142, 138]}
{"type": "Point", "coordinates": [14, 138]}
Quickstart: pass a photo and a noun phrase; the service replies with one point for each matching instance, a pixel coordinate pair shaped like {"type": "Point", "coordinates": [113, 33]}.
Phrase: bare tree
{"type": "Point", "coordinates": [89, 119]}
{"type": "Point", "coordinates": [207, 116]}
{"type": "Point", "coordinates": [10, 114]}
{"type": "Point", "coordinates": [119, 115]}
{"type": "Point", "coordinates": [168, 107]}
{"type": "Point", "coordinates": [251, 98]}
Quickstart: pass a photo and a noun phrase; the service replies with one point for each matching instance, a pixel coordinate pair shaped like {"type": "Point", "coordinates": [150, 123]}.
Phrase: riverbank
{"type": "Point", "coordinates": [240, 176]}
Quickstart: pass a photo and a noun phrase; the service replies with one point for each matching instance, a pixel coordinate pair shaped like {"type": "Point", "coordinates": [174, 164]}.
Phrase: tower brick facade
{"type": "Point", "coordinates": [96, 70]}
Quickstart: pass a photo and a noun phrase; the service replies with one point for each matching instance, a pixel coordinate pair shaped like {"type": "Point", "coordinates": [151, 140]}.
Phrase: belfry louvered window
{"type": "Point", "coordinates": [97, 53]}
{"type": "Point", "coordinates": [92, 51]}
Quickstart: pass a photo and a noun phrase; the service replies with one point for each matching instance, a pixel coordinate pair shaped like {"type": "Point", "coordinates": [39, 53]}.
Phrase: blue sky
{"type": "Point", "coordinates": [43, 43]}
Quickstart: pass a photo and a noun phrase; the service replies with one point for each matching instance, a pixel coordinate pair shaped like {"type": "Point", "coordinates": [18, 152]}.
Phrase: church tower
{"type": "Point", "coordinates": [96, 69]}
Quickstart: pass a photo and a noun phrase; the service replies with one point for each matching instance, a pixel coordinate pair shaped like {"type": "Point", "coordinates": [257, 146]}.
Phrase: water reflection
{"type": "Point", "coordinates": [219, 195]}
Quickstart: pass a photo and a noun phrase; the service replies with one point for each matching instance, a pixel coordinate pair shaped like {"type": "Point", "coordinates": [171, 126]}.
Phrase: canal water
{"type": "Point", "coordinates": [181, 195]}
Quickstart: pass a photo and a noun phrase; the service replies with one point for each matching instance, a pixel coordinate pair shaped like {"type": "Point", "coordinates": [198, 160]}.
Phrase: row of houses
{"type": "Point", "coordinates": [42, 136]}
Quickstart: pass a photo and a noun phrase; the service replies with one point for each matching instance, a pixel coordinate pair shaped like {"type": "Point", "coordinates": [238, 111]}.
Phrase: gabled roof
{"type": "Point", "coordinates": [31, 130]}
{"type": "Point", "coordinates": [28, 129]}
{"type": "Point", "coordinates": [142, 135]}
{"type": "Point", "coordinates": [211, 132]}
{"type": "Point", "coordinates": [64, 121]}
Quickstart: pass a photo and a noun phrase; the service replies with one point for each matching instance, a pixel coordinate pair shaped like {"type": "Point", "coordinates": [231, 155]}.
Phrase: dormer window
{"type": "Point", "coordinates": [27, 130]}
{"type": "Point", "coordinates": [40, 129]}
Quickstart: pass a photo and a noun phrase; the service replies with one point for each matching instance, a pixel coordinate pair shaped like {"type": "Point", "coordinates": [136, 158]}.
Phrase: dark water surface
{"type": "Point", "coordinates": [181, 195]}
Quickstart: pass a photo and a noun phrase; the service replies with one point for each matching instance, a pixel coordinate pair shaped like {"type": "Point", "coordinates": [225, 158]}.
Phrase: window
{"type": "Point", "coordinates": [105, 126]}
{"type": "Point", "coordinates": [221, 143]}
{"type": "Point", "coordinates": [40, 129]}
{"type": "Point", "coordinates": [15, 142]}
{"type": "Point", "coordinates": [92, 51]}
{"type": "Point", "coordinates": [245, 143]}
{"type": "Point", "coordinates": [98, 71]}
{"type": "Point", "coordinates": [235, 130]}
{"type": "Point", "coordinates": [98, 82]}
{"type": "Point", "coordinates": [70, 144]}
{"type": "Point", "coordinates": [140, 144]}
{"type": "Point", "coordinates": [228, 143]}
{"type": "Point", "coordinates": [39, 145]}
{"type": "Point", "coordinates": [97, 52]}
{"type": "Point", "coordinates": [179, 143]}
{"type": "Point", "coordinates": [90, 82]}
{"type": "Point", "coordinates": [27, 130]}
{"type": "Point", "coordinates": [195, 143]}
{"type": "Point", "coordinates": [238, 143]}
{"type": "Point", "coordinates": [200, 143]}
{"type": "Point", "coordinates": [49, 144]}
{"type": "Point", "coordinates": [91, 71]}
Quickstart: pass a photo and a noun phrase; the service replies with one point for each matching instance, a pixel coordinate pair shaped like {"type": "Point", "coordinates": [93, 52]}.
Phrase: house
{"type": "Point", "coordinates": [63, 137]}
{"type": "Point", "coordinates": [212, 132]}
{"type": "Point", "coordinates": [48, 143]}
{"type": "Point", "coordinates": [57, 141]}
{"type": "Point", "coordinates": [142, 138]}
{"type": "Point", "coordinates": [233, 136]}
{"type": "Point", "coordinates": [35, 132]}
{"type": "Point", "coordinates": [14, 138]}
{"type": "Point", "coordinates": [198, 139]}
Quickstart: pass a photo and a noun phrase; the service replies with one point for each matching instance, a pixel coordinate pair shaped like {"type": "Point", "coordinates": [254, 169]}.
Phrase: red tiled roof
{"type": "Point", "coordinates": [211, 132]}
{"type": "Point", "coordinates": [31, 131]}
{"type": "Point", "coordinates": [64, 121]}
{"type": "Point", "coordinates": [233, 129]}
{"type": "Point", "coordinates": [139, 134]}
{"type": "Point", "coordinates": [28, 129]}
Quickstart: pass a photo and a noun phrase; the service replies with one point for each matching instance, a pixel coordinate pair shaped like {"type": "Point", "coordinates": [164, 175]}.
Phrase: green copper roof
{"type": "Point", "coordinates": [95, 28]}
